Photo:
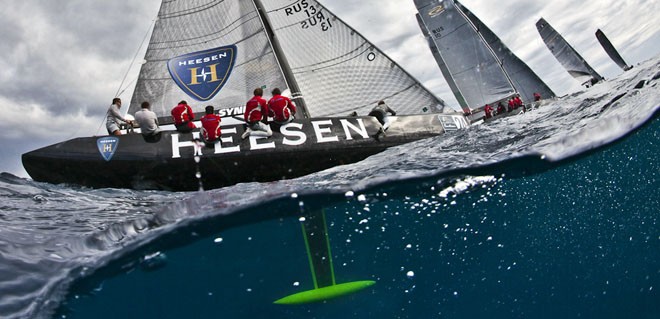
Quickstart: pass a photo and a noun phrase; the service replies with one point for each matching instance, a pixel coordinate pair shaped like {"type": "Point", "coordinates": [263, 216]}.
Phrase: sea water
{"type": "Point", "coordinates": [549, 214]}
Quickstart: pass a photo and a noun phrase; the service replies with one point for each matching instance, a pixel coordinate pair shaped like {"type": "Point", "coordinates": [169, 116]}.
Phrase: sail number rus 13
{"type": "Point", "coordinates": [315, 17]}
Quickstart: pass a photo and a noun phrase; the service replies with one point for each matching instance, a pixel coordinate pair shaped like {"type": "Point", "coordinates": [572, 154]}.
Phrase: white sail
{"type": "Point", "coordinates": [473, 67]}
{"type": "Point", "coordinates": [524, 80]}
{"type": "Point", "coordinates": [566, 54]}
{"type": "Point", "coordinates": [217, 52]}
{"type": "Point", "coordinates": [611, 51]}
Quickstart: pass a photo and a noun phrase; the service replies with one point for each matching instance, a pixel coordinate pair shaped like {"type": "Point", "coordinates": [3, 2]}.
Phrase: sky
{"type": "Point", "coordinates": [62, 62]}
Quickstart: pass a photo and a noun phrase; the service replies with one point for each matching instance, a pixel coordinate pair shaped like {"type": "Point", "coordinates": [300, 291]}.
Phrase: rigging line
{"type": "Point", "coordinates": [153, 22]}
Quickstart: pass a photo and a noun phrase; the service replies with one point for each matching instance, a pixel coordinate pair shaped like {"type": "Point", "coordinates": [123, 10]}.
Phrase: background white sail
{"type": "Point", "coordinates": [472, 66]}
{"type": "Point", "coordinates": [611, 51]}
{"type": "Point", "coordinates": [524, 80]}
{"type": "Point", "coordinates": [566, 55]}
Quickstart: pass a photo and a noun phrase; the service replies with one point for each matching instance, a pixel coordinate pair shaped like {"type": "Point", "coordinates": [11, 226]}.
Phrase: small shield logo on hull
{"type": "Point", "coordinates": [202, 74]}
{"type": "Point", "coordinates": [107, 147]}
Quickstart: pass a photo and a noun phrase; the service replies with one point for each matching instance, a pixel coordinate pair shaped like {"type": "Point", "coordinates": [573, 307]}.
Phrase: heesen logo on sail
{"type": "Point", "coordinates": [436, 11]}
{"type": "Point", "coordinates": [203, 74]}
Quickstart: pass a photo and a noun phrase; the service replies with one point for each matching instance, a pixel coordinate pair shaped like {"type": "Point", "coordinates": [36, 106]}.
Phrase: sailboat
{"type": "Point", "coordinates": [567, 55]}
{"type": "Point", "coordinates": [611, 51]}
{"type": "Point", "coordinates": [479, 68]}
{"type": "Point", "coordinates": [216, 53]}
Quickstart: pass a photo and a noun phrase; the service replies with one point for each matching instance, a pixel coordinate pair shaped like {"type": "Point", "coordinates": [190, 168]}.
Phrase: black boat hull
{"type": "Point", "coordinates": [169, 162]}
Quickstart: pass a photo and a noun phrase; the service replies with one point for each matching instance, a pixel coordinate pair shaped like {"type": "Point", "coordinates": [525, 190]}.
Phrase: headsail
{"type": "Point", "coordinates": [611, 51]}
{"type": "Point", "coordinates": [218, 51]}
{"type": "Point", "coordinates": [525, 81]}
{"type": "Point", "coordinates": [472, 66]}
{"type": "Point", "coordinates": [566, 55]}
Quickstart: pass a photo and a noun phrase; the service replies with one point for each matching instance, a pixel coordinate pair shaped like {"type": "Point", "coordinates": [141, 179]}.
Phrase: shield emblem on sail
{"type": "Point", "coordinates": [107, 147]}
{"type": "Point", "coordinates": [203, 74]}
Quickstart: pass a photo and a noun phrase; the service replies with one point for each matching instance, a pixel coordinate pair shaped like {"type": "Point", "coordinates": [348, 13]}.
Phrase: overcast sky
{"type": "Point", "coordinates": [61, 62]}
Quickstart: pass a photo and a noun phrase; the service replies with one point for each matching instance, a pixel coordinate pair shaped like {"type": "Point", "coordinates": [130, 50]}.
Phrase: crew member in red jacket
{"type": "Point", "coordinates": [518, 102]}
{"type": "Point", "coordinates": [183, 117]}
{"type": "Point", "coordinates": [512, 105]}
{"type": "Point", "coordinates": [280, 108]}
{"type": "Point", "coordinates": [488, 110]}
{"type": "Point", "coordinates": [210, 125]}
{"type": "Point", "coordinates": [256, 115]}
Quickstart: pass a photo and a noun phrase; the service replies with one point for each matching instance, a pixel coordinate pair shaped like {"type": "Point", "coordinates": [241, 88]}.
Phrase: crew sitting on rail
{"type": "Point", "coordinates": [256, 116]}
{"type": "Point", "coordinates": [500, 108]}
{"type": "Point", "coordinates": [114, 119]}
{"type": "Point", "coordinates": [280, 108]}
{"type": "Point", "coordinates": [488, 110]}
{"type": "Point", "coordinates": [147, 120]}
{"type": "Point", "coordinates": [210, 126]}
{"type": "Point", "coordinates": [183, 117]}
{"type": "Point", "coordinates": [518, 102]}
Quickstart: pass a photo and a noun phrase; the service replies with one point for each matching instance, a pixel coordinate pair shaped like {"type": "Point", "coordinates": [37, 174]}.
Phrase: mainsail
{"type": "Point", "coordinates": [566, 55]}
{"type": "Point", "coordinates": [473, 68]}
{"type": "Point", "coordinates": [218, 51]}
{"type": "Point", "coordinates": [611, 51]}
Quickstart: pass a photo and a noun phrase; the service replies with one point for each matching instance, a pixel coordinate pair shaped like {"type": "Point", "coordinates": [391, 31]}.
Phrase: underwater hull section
{"type": "Point", "coordinates": [174, 161]}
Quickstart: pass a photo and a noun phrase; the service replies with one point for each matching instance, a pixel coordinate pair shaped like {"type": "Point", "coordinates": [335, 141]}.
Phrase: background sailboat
{"type": "Point", "coordinates": [611, 51]}
{"type": "Point", "coordinates": [566, 55]}
{"type": "Point", "coordinates": [479, 68]}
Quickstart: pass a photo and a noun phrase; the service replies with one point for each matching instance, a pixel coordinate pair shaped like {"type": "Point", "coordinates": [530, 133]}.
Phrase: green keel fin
{"type": "Point", "coordinates": [325, 293]}
{"type": "Point", "coordinates": [317, 243]}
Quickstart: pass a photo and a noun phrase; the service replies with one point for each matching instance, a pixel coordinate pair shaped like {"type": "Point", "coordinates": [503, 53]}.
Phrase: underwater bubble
{"type": "Point", "coordinates": [218, 240]}
{"type": "Point", "coordinates": [294, 195]}
{"type": "Point", "coordinates": [349, 194]}
{"type": "Point", "coordinates": [302, 219]}
{"type": "Point", "coordinates": [197, 159]}
{"type": "Point", "coordinates": [410, 274]}
{"type": "Point", "coordinates": [296, 284]}
{"type": "Point", "coordinates": [362, 198]}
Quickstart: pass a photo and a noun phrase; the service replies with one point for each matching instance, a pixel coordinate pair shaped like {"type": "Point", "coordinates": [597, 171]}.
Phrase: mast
{"type": "Point", "coordinates": [296, 95]}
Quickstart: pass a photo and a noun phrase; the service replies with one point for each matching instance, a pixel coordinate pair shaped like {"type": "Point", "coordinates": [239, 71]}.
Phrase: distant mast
{"type": "Point", "coordinates": [567, 55]}
{"type": "Point", "coordinates": [611, 51]}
